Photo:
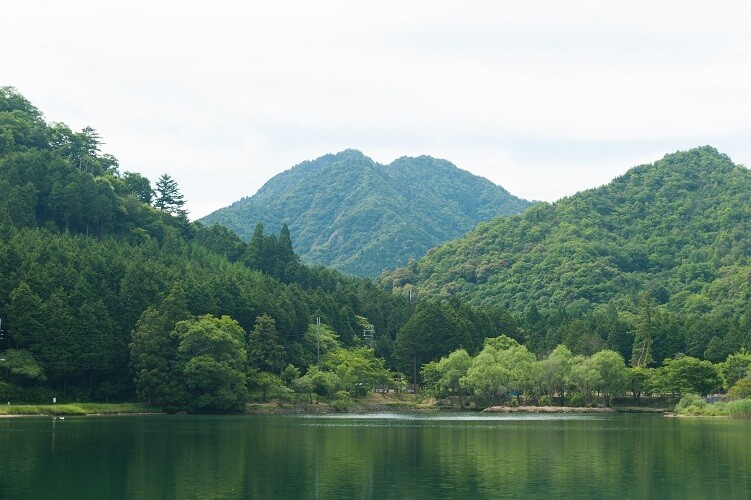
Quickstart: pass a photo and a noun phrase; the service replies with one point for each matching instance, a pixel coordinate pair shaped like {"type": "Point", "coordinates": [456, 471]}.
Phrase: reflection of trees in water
{"type": "Point", "coordinates": [297, 457]}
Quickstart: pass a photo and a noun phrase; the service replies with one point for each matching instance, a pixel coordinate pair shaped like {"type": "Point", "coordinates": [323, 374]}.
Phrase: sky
{"type": "Point", "coordinates": [544, 98]}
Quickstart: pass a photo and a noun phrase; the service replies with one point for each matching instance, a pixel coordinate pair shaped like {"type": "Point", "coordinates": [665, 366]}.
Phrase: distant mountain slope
{"type": "Point", "coordinates": [679, 228]}
{"type": "Point", "coordinates": [350, 213]}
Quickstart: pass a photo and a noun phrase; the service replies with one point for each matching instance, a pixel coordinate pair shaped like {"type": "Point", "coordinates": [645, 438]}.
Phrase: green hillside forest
{"type": "Point", "coordinates": [347, 212]}
{"type": "Point", "coordinates": [673, 237]}
{"type": "Point", "coordinates": [109, 293]}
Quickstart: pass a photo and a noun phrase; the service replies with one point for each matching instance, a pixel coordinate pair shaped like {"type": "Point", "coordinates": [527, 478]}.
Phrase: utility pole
{"type": "Point", "coordinates": [368, 334]}
{"type": "Point", "coordinates": [318, 340]}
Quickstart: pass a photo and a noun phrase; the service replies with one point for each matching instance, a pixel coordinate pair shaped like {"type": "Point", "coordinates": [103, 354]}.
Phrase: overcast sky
{"type": "Point", "coordinates": [543, 98]}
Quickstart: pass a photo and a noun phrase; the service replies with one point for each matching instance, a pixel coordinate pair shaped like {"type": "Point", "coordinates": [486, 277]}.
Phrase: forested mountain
{"type": "Point", "coordinates": [350, 213]}
{"type": "Point", "coordinates": [107, 291]}
{"type": "Point", "coordinates": [105, 284]}
{"type": "Point", "coordinates": [679, 229]}
{"type": "Point", "coordinates": [653, 265]}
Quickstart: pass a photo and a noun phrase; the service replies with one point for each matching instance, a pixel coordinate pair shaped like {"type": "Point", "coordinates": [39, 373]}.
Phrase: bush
{"type": "Point", "coordinates": [740, 408]}
{"type": "Point", "coordinates": [342, 401]}
{"type": "Point", "coordinates": [545, 400]}
{"type": "Point", "coordinates": [8, 392]}
{"type": "Point", "coordinates": [740, 390]}
{"type": "Point", "coordinates": [691, 404]}
{"type": "Point", "coordinates": [576, 399]}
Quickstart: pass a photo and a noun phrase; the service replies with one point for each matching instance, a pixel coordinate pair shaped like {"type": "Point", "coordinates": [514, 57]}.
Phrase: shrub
{"type": "Point", "coordinates": [342, 401]}
{"type": "Point", "coordinates": [740, 408]}
{"type": "Point", "coordinates": [8, 392]}
{"type": "Point", "coordinates": [691, 404]}
{"type": "Point", "coordinates": [741, 389]}
{"type": "Point", "coordinates": [576, 399]}
{"type": "Point", "coordinates": [545, 400]}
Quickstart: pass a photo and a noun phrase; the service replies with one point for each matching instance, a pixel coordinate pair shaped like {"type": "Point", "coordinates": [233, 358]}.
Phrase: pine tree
{"type": "Point", "coordinates": [168, 196]}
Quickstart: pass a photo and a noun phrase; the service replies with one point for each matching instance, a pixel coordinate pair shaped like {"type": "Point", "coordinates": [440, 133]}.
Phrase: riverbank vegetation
{"type": "Point", "coordinates": [695, 405]}
{"type": "Point", "coordinates": [79, 409]}
{"type": "Point", "coordinates": [109, 293]}
{"type": "Point", "coordinates": [506, 372]}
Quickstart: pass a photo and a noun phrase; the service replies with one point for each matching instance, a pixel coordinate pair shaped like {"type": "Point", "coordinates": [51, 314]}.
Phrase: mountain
{"type": "Point", "coordinates": [96, 270]}
{"type": "Point", "coordinates": [350, 213]}
{"type": "Point", "coordinates": [678, 229]}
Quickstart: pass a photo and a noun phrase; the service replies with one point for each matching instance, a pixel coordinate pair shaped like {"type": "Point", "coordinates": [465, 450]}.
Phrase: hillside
{"type": "Point", "coordinates": [350, 213]}
{"type": "Point", "coordinates": [678, 229]}
{"type": "Point", "coordinates": [108, 292]}
{"type": "Point", "coordinates": [98, 269]}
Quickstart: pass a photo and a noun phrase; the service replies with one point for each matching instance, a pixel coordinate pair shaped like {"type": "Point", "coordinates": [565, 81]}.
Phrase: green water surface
{"type": "Point", "coordinates": [431, 455]}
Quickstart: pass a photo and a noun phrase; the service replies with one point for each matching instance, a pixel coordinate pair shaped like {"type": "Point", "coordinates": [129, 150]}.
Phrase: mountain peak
{"type": "Point", "coordinates": [346, 211]}
{"type": "Point", "coordinates": [668, 226]}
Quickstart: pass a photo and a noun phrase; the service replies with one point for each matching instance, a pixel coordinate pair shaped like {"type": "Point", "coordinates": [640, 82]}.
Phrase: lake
{"type": "Point", "coordinates": [421, 455]}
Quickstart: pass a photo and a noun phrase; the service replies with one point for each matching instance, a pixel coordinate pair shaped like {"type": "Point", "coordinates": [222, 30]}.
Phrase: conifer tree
{"type": "Point", "coordinates": [264, 350]}
{"type": "Point", "coordinates": [168, 196]}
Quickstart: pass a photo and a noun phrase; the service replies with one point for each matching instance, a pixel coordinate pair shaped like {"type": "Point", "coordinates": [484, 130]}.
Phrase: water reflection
{"type": "Point", "coordinates": [375, 456]}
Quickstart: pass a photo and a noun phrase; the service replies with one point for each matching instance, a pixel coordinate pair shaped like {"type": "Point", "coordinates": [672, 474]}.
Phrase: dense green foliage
{"type": "Point", "coordinates": [653, 264]}
{"type": "Point", "coordinates": [105, 286]}
{"type": "Point", "coordinates": [505, 370]}
{"type": "Point", "coordinates": [108, 291]}
{"type": "Point", "coordinates": [347, 212]}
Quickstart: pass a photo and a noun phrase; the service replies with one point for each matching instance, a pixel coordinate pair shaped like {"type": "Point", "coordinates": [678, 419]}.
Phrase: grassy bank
{"type": "Point", "coordinates": [695, 406]}
{"type": "Point", "coordinates": [78, 409]}
{"type": "Point", "coordinates": [372, 402]}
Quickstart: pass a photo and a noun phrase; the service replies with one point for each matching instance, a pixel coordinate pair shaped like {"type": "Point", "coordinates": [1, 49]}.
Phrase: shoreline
{"type": "Point", "coordinates": [373, 403]}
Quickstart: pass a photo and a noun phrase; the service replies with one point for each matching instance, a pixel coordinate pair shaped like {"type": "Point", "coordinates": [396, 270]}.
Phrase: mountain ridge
{"type": "Point", "coordinates": [351, 213]}
{"type": "Point", "coordinates": [675, 227]}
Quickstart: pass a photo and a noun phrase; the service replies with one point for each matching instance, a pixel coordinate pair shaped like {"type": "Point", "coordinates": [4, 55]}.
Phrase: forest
{"type": "Point", "coordinates": [350, 213]}
{"type": "Point", "coordinates": [109, 293]}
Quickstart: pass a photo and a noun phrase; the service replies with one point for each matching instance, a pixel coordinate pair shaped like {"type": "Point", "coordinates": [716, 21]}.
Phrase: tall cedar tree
{"type": "Point", "coordinates": [168, 196]}
{"type": "Point", "coordinates": [264, 350]}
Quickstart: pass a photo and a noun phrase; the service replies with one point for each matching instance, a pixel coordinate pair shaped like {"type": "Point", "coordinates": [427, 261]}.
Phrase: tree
{"type": "Point", "coordinates": [290, 374]}
{"type": "Point", "coordinates": [25, 311]}
{"type": "Point", "coordinates": [486, 377]}
{"type": "Point", "coordinates": [323, 383]}
{"type": "Point", "coordinates": [211, 358]}
{"type": "Point", "coordinates": [736, 367]}
{"type": "Point", "coordinates": [642, 352]}
{"type": "Point", "coordinates": [613, 373]}
{"type": "Point", "coordinates": [451, 369]}
{"type": "Point", "coordinates": [556, 371]}
{"type": "Point", "coordinates": [740, 390]}
{"type": "Point", "coordinates": [687, 375]}
{"type": "Point", "coordinates": [498, 372]}
{"type": "Point", "coordinates": [153, 348]}
{"type": "Point", "coordinates": [641, 381]}
{"type": "Point", "coordinates": [715, 351]}
{"type": "Point", "coordinates": [21, 367]}
{"type": "Point", "coordinates": [264, 350]}
{"type": "Point", "coordinates": [358, 370]}
{"type": "Point", "coordinates": [168, 197]}
{"type": "Point", "coordinates": [434, 330]}
{"type": "Point", "coordinates": [584, 376]}
{"type": "Point", "coordinates": [139, 185]}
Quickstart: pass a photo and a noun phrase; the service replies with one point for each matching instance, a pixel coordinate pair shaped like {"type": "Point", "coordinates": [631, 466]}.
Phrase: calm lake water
{"type": "Point", "coordinates": [375, 456]}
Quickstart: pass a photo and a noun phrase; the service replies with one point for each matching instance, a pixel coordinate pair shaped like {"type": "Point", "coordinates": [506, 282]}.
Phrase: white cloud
{"type": "Point", "coordinates": [223, 95]}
